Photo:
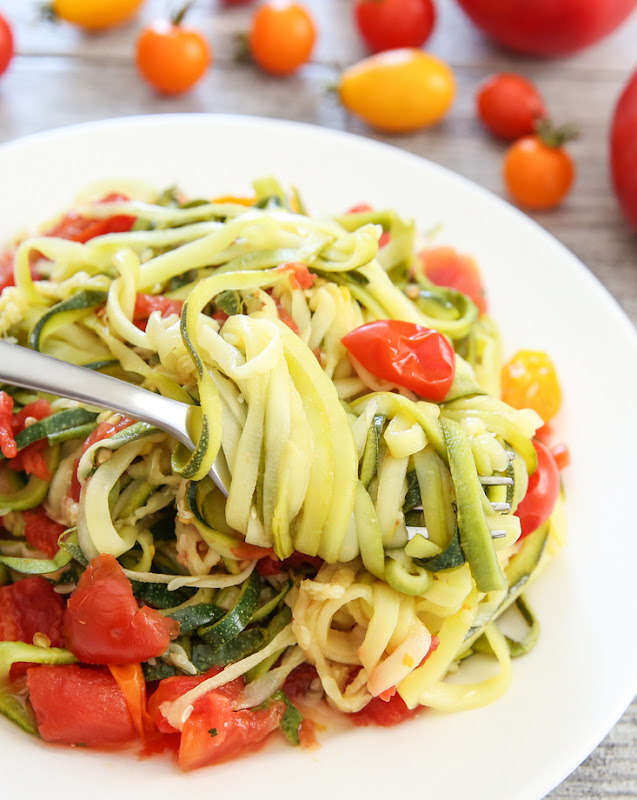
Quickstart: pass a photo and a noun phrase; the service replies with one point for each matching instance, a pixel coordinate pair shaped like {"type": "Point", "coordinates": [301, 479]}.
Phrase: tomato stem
{"type": "Point", "coordinates": [555, 136]}
{"type": "Point", "coordinates": [178, 17]}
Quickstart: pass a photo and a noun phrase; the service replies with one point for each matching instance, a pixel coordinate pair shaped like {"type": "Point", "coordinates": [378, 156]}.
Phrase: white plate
{"type": "Point", "coordinates": [572, 688]}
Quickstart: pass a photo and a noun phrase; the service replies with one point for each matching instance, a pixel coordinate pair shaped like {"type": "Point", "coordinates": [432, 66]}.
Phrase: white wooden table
{"type": "Point", "coordinates": [61, 76]}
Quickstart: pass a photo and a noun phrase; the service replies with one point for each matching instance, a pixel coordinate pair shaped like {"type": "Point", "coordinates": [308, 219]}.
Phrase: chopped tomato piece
{"type": "Point", "coordinates": [31, 606]}
{"type": "Point", "coordinates": [444, 266]}
{"type": "Point", "coordinates": [298, 682]}
{"type": "Point", "coordinates": [105, 430]}
{"type": "Point", "coordinates": [103, 623]}
{"type": "Point", "coordinates": [252, 551]}
{"type": "Point", "coordinates": [79, 705]}
{"type": "Point", "coordinates": [41, 531]}
{"type": "Point", "coordinates": [300, 276]}
{"type": "Point", "coordinates": [285, 318]}
{"type": "Point", "coordinates": [8, 446]}
{"type": "Point", "coordinates": [145, 304]}
{"type": "Point", "coordinates": [214, 733]}
{"type": "Point", "coordinates": [77, 228]}
{"type": "Point", "coordinates": [271, 565]}
{"type": "Point", "coordinates": [32, 461]}
{"type": "Point", "coordinates": [6, 269]}
{"type": "Point", "coordinates": [384, 712]}
{"type": "Point", "coordinates": [406, 354]}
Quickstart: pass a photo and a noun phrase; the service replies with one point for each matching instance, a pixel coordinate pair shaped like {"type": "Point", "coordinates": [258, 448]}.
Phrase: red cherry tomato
{"type": "Point", "coordinates": [79, 705]}
{"type": "Point", "coordinates": [6, 44]}
{"type": "Point", "coordinates": [388, 24]}
{"type": "Point", "coordinates": [542, 493]}
{"type": "Point", "coordinates": [103, 623]}
{"type": "Point", "coordinates": [623, 151]}
{"type": "Point", "coordinates": [509, 105]}
{"type": "Point", "coordinates": [406, 354]}
{"type": "Point", "coordinates": [446, 267]}
{"type": "Point", "coordinates": [282, 36]}
{"type": "Point", "coordinates": [172, 57]}
{"type": "Point", "coordinates": [547, 27]}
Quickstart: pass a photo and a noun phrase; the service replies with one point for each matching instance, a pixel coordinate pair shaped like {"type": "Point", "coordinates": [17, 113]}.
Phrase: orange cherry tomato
{"type": "Point", "coordinates": [398, 90]}
{"type": "Point", "coordinates": [529, 380]}
{"type": "Point", "coordinates": [538, 175]}
{"type": "Point", "coordinates": [172, 57]}
{"type": "Point", "coordinates": [282, 36]}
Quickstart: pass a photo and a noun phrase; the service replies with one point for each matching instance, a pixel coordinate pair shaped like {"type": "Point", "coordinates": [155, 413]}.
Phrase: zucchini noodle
{"type": "Point", "coordinates": [368, 531]}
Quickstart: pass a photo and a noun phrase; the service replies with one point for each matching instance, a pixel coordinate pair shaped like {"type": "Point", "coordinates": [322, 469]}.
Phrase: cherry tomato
{"type": "Point", "coordinates": [6, 44]}
{"type": "Point", "coordinates": [282, 36]}
{"type": "Point", "coordinates": [509, 105]}
{"type": "Point", "coordinates": [97, 14]}
{"type": "Point", "coordinates": [446, 267]}
{"type": "Point", "coordinates": [538, 175]}
{"type": "Point", "coordinates": [529, 380]}
{"type": "Point", "coordinates": [542, 493]}
{"type": "Point", "coordinates": [406, 354]}
{"type": "Point", "coordinates": [398, 90]}
{"type": "Point", "coordinates": [103, 623]}
{"type": "Point", "coordinates": [172, 57]}
{"type": "Point", "coordinates": [547, 27]}
{"type": "Point", "coordinates": [79, 705]}
{"type": "Point", "coordinates": [623, 152]}
{"type": "Point", "coordinates": [388, 24]}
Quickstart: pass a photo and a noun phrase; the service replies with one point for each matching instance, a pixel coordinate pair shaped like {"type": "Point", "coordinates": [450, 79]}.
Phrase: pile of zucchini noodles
{"type": "Point", "coordinates": [320, 457]}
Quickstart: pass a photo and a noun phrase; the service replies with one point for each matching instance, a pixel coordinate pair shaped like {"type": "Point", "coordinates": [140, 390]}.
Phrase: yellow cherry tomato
{"type": "Point", "coordinates": [398, 90]}
{"type": "Point", "coordinates": [529, 380]}
{"type": "Point", "coordinates": [95, 14]}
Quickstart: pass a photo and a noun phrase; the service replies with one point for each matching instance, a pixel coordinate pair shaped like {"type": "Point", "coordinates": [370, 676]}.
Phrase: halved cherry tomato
{"type": "Point", "coordinates": [542, 493]}
{"type": "Point", "coordinates": [398, 90]}
{"type": "Point", "coordinates": [538, 173]}
{"type": "Point", "coordinates": [509, 105]}
{"type": "Point", "coordinates": [97, 14]}
{"type": "Point", "coordinates": [79, 705]}
{"type": "Point", "coordinates": [103, 623]}
{"type": "Point", "coordinates": [172, 57]}
{"type": "Point", "coordinates": [444, 266]}
{"type": "Point", "coordinates": [406, 354]}
{"type": "Point", "coordinates": [282, 36]}
{"type": "Point", "coordinates": [41, 531]}
{"type": "Point", "coordinates": [388, 24]}
{"type": "Point", "coordinates": [30, 606]}
{"type": "Point", "coordinates": [529, 380]}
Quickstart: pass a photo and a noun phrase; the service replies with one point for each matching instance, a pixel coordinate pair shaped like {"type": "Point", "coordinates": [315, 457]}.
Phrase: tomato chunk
{"type": "Point", "coordinates": [444, 266]}
{"type": "Point", "coordinates": [145, 304]}
{"type": "Point", "coordinates": [213, 732]}
{"type": "Point", "coordinates": [42, 532]}
{"type": "Point", "coordinates": [77, 228]}
{"type": "Point", "coordinates": [384, 712]}
{"type": "Point", "coordinates": [103, 623]}
{"type": "Point", "coordinates": [31, 606]}
{"type": "Point", "coordinates": [79, 705]}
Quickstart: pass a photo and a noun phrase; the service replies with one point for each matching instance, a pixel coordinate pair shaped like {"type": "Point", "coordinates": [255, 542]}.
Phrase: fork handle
{"type": "Point", "coordinates": [30, 369]}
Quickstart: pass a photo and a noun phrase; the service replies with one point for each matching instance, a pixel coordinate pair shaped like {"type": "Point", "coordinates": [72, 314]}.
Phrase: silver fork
{"type": "Point", "coordinates": [29, 369]}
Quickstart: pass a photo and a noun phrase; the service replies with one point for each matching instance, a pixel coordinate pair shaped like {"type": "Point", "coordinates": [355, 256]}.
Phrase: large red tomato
{"type": "Point", "coordinates": [547, 27]}
{"type": "Point", "coordinates": [623, 150]}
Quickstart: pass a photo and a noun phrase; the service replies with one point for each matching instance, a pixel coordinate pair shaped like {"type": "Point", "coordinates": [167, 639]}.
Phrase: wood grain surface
{"type": "Point", "coordinates": [62, 76]}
